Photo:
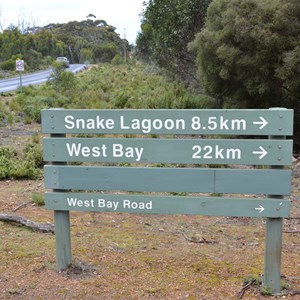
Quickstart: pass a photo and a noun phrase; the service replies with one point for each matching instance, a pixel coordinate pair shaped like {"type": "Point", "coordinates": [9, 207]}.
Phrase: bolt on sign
{"type": "Point", "coordinates": [190, 137]}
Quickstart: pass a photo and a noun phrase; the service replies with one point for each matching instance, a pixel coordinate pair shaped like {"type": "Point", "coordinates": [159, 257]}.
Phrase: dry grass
{"type": "Point", "coordinates": [123, 256]}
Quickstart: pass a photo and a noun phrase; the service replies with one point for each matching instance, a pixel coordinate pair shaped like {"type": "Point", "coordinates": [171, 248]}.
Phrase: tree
{"type": "Point", "coordinates": [249, 53]}
{"type": "Point", "coordinates": [167, 28]}
{"type": "Point", "coordinates": [92, 40]}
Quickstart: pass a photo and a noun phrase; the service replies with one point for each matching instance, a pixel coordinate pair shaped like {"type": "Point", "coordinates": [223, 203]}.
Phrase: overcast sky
{"type": "Point", "coordinates": [122, 14]}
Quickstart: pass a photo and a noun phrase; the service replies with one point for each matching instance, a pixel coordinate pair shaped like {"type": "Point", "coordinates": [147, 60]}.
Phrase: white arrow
{"type": "Point", "coordinates": [263, 122]}
{"type": "Point", "coordinates": [262, 152]}
{"type": "Point", "coordinates": [260, 209]}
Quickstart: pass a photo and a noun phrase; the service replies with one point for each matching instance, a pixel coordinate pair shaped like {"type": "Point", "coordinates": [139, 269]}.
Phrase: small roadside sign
{"type": "Point", "coordinates": [19, 65]}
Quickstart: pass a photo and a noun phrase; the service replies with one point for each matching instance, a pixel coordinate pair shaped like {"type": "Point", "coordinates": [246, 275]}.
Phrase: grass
{"type": "Point", "coordinates": [38, 199]}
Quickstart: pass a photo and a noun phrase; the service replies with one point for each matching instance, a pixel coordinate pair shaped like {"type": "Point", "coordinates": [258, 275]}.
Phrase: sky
{"type": "Point", "coordinates": [122, 14]}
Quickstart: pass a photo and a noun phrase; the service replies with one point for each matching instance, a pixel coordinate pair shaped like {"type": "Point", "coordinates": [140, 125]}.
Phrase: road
{"type": "Point", "coordinates": [11, 84]}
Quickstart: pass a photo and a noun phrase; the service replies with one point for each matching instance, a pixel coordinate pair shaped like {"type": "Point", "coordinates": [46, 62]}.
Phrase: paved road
{"type": "Point", "coordinates": [11, 84]}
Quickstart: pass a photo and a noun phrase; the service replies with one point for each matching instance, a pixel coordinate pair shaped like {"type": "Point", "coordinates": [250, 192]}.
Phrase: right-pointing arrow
{"type": "Point", "coordinates": [260, 209]}
{"type": "Point", "coordinates": [262, 152]}
{"type": "Point", "coordinates": [263, 122]}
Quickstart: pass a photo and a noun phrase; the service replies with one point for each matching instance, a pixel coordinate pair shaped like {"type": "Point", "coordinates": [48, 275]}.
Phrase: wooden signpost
{"type": "Point", "coordinates": [204, 147]}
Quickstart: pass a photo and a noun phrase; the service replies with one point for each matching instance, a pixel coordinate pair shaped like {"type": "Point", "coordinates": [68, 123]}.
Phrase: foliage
{"type": "Point", "coordinates": [167, 28]}
{"type": "Point", "coordinates": [117, 60]}
{"type": "Point", "coordinates": [61, 79]}
{"type": "Point", "coordinates": [107, 86]}
{"type": "Point", "coordinates": [8, 65]}
{"type": "Point", "coordinates": [104, 86]}
{"type": "Point", "coordinates": [29, 104]}
{"type": "Point", "coordinates": [249, 53]}
{"type": "Point", "coordinates": [38, 199]}
{"type": "Point", "coordinates": [23, 166]}
{"type": "Point", "coordinates": [88, 40]}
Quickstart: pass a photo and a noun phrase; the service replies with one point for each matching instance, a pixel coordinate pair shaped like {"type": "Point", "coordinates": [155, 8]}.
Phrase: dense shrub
{"type": "Point", "coordinates": [23, 166]}
{"type": "Point", "coordinates": [8, 65]}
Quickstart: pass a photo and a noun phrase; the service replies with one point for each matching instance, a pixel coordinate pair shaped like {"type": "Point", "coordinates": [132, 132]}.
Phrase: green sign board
{"type": "Point", "coordinates": [195, 122]}
{"type": "Point", "coordinates": [195, 151]}
{"type": "Point", "coordinates": [194, 180]}
{"type": "Point", "coordinates": [210, 206]}
{"type": "Point", "coordinates": [266, 145]}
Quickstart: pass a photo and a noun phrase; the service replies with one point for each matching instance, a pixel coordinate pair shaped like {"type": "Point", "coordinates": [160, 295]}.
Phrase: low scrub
{"type": "Point", "coordinates": [114, 86]}
{"type": "Point", "coordinates": [107, 86]}
{"type": "Point", "coordinates": [25, 165]}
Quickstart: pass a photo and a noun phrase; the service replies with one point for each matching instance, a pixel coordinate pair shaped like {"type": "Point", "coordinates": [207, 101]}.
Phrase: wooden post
{"type": "Point", "coordinates": [273, 244]}
{"type": "Point", "coordinates": [62, 228]}
{"type": "Point", "coordinates": [63, 239]}
{"type": "Point", "coordinates": [273, 255]}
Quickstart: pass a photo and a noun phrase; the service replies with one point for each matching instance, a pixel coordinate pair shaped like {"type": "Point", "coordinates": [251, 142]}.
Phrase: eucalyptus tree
{"type": "Point", "coordinates": [167, 28]}
{"type": "Point", "coordinates": [249, 53]}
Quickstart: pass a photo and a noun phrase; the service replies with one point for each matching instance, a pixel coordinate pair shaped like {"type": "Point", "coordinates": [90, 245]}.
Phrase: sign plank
{"type": "Point", "coordinates": [212, 206]}
{"type": "Point", "coordinates": [183, 121]}
{"type": "Point", "coordinates": [192, 151]}
{"type": "Point", "coordinates": [275, 182]}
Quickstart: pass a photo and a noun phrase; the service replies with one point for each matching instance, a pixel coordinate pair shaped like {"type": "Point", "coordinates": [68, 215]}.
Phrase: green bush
{"type": "Point", "coordinates": [117, 60]}
{"type": "Point", "coordinates": [8, 65]}
{"type": "Point", "coordinates": [24, 170]}
{"type": "Point", "coordinates": [7, 157]}
{"type": "Point", "coordinates": [25, 166]}
{"type": "Point", "coordinates": [33, 153]}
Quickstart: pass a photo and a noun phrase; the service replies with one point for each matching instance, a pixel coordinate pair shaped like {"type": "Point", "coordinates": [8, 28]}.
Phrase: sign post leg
{"type": "Point", "coordinates": [273, 255]}
{"type": "Point", "coordinates": [273, 245]}
{"type": "Point", "coordinates": [21, 87]}
{"type": "Point", "coordinates": [62, 229]}
{"type": "Point", "coordinates": [63, 239]}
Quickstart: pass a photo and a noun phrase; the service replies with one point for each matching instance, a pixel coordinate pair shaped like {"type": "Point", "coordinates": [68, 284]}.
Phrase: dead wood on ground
{"type": "Point", "coordinates": [41, 227]}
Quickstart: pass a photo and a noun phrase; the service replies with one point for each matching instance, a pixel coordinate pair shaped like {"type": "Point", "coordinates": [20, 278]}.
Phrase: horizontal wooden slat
{"type": "Point", "coordinates": [192, 151]}
{"type": "Point", "coordinates": [169, 121]}
{"type": "Point", "coordinates": [275, 182]}
{"type": "Point", "coordinates": [213, 206]}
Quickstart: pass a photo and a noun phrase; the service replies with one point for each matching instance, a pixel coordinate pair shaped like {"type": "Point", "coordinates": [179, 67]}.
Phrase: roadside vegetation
{"type": "Point", "coordinates": [24, 164]}
{"type": "Point", "coordinates": [102, 86]}
{"type": "Point", "coordinates": [88, 41]}
{"type": "Point", "coordinates": [194, 54]}
{"type": "Point", "coordinates": [189, 54]}
{"type": "Point", "coordinates": [246, 54]}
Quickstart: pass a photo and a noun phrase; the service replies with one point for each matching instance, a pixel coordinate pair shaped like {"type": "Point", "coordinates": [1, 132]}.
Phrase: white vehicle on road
{"type": "Point", "coordinates": [64, 61]}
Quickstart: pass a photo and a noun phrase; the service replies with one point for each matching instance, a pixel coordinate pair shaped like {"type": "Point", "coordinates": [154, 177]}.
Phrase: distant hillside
{"type": "Point", "coordinates": [89, 40]}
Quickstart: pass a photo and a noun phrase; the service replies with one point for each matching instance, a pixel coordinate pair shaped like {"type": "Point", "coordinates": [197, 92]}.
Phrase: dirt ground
{"type": "Point", "coordinates": [134, 256]}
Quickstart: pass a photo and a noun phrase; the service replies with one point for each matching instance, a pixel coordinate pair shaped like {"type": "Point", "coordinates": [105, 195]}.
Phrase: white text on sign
{"type": "Point", "coordinates": [148, 125]}
{"type": "Point", "coordinates": [109, 204]}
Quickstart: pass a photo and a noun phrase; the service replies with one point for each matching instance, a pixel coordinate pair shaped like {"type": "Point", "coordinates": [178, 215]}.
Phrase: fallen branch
{"type": "Point", "coordinates": [245, 288]}
{"type": "Point", "coordinates": [291, 231]}
{"type": "Point", "coordinates": [20, 206]}
{"type": "Point", "coordinates": [295, 292]}
{"type": "Point", "coordinates": [41, 227]}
